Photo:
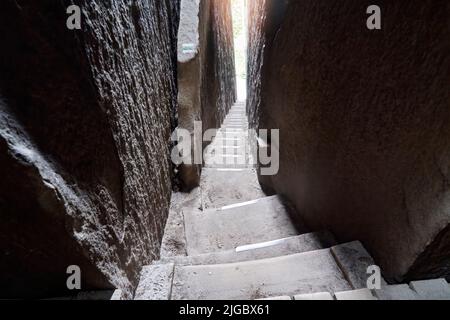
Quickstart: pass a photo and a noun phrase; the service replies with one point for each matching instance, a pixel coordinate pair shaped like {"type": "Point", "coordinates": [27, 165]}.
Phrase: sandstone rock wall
{"type": "Point", "coordinates": [206, 75]}
{"type": "Point", "coordinates": [85, 124]}
{"type": "Point", "coordinates": [365, 122]}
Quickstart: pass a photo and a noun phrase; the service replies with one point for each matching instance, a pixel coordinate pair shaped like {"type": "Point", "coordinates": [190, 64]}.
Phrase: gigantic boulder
{"type": "Point", "coordinates": [85, 124]}
{"type": "Point", "coordinates": [365, 122]}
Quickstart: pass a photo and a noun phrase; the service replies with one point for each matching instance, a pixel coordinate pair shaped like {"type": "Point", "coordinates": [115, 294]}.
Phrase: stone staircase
{"type": "Point", "coordinates": [230, 148]}
{"type": "Point", "coordinates": [241, 244]}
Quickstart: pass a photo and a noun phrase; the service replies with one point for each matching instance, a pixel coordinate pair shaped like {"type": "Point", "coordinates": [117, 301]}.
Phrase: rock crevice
{"type": "Point", "coordinates": [206, 75]}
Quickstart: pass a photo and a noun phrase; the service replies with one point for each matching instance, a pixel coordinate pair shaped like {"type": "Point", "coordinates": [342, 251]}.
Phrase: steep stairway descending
{"type": "Point", "coordinates": [224, 186]}
{"type": "Point", "coordinates": [213, 230]}
{"type": "Point", "coordinates": [261, 250]}
{"type": "Point", "coordinates": [314, 271]}
{"type": "Point", "coordinates": [241, 244]}
{"type": "Point", "coordinates": [231, 148]}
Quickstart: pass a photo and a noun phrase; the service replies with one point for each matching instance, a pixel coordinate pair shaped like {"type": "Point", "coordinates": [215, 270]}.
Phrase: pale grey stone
{"type": "Point", "coordinates": [359, 294]}
{"type": "Point", "coordinates": [155, 283]}
{"type": "Point", "coordinates": [396, 292]}
{"type": "Point", "coordinates": [301, 273]}
{"type": "Point", "coordinates": [354, 260]}
{"type": "Point", "coordinates": [437, 289]}
{"type": "Point", "coordinates": [256, 221]}
{"type": "Point", "coordinates": [314, 296]}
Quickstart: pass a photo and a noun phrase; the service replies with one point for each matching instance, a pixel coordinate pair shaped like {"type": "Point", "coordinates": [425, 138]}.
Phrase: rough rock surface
{"type": "Point", "coordinates": [224, 187]}
{"type": "Point", "coordinates": [365, 122]}
{"type": "Point", "coordinates": [84, 142]}
{"type": "Point", "coordinates": [206, 74]}
{"type": "Point", "coordinates": [174, 240]}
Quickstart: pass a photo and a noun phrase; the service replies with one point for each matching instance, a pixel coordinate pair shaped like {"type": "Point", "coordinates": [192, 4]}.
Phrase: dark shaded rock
{"type": "Point", "coordinates": [219, 83]}
{"type": "Point", "coordinates": [84, 142]}
{"type": "Point", "coordinates": [365, 123]}
{"type": "Point", "coordinates": [206, 74]}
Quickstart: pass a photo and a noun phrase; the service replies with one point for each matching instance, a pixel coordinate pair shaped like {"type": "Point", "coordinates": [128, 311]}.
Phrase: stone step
{"type": "Point", "coordinates": [354, 260]}
{"type": "Point", "coordinates": [396, 292]}
{"type": "Point", "coordinates": [236, 127]}
{"type": "Point", "coordinates": [261, 220]}
{"type": "Point", "coordinates": [236, 118]}
{"type": "Point", "coordinates": [228, 152]}
{"type": "Point", "coordinates": [228, 158]}
{"type": "Point", "coordinates": [312, 275]}
{"type": "Point", "coordinates": [242, 125]}
{"type": "Point", "coordinates": [215, 165]}
{"type": "Point", "coordinates": [227, 149]}
{"type": "Point", "coordinates": [240, 121]}
{"type": "Point", "coordinates": [229, 140]}
{"type": "Point", "coordinates": [359, 294]}
{"type": "Point", "coordinates": [434, 291]}
{"type": "Point", "coordinates": [302, 273]}
{"type": "Point", "coordinates": [225, 186]}
{"type": "Point", "coordinates": [292, 245]}
{"type": "Point", "coordinates": [229, 131]}
{"type": "Point", "coordinates": [280, 298]}
{"type": "Point", "coordinates": [227, 155]}
{"type": "Point", "coordinates": [224, 161]}
{"type": "Point", "coordinates": [314, 296]}
{"type": "Point", "coordinates": [231, 166]}
{"type": "Point", "coordinates": [99, 295]}
{"type": "Point", "coordinates": [237, 114]}
{"type": "Point", "coordinates": [155, 282]}
{"type": "Point", "coordinates": [225, 152]}
{"type": "Point", "coordinates": [225, 138]}
{"type": "Point", "coordinates": [220, 156]}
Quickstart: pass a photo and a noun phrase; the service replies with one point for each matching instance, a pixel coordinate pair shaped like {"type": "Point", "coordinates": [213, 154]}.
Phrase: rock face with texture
{"type": "Point", "coordinates": [85, 124]}
{"type": "Point", "coordinates": [365, 123]}
{"type": "Point", "coordinates": [206, 75]}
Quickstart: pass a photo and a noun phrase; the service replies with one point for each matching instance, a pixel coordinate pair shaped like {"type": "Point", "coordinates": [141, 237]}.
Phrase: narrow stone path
{"type": "Point", "coordinates": [231, 148]}
{"type": "Point", "coordinates": [228, 240]}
